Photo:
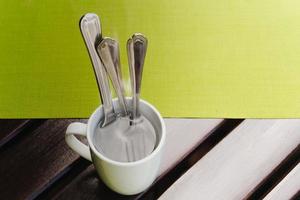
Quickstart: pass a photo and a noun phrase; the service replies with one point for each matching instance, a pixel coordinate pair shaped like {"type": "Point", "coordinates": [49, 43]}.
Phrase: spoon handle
{"type": "Point", "coordinates": [108, 50]}
{"type": "Point", "coordinates": [91, 32]}
{"type": "Point", "coordinates": [136, 48]}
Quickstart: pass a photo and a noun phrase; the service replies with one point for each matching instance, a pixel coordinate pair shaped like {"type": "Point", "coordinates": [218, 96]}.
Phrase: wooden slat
{"type": "Point", "coordinates": [9, 128]}
{"type": "Point", "coordinates": [183, 135]}
{"type": "Point", "coordinates": [239, 162]}
{"type": "Point", "coordinates": [288, 187]}
{"type": "Point", "coordinates": [30, 165]}
{"type": "Point", "coordinates": [176, 171]}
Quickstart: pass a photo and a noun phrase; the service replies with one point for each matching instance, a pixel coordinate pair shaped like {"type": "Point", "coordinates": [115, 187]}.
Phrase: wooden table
{"type": "Point", "coordinates": [204, 159]}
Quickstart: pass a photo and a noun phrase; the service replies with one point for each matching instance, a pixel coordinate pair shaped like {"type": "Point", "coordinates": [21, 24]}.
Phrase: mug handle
{"type": "Point", "coordinates": [78, 128]}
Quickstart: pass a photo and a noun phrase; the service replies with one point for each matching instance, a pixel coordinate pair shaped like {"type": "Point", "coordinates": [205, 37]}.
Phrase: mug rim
{"type": "Point", "coordinates": [114, 162]}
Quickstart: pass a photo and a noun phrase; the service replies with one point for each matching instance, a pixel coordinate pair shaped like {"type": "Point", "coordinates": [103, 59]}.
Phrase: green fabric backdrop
{"type": "Point", "coordinates": [233, 58]}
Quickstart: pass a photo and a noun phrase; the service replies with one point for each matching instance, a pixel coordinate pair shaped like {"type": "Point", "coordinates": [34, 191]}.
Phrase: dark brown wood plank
{"type": "Point", "coordinates": [31, 164]}
{"type": "Point", "coordinates": [9, 128]}
{"type": "Point", "coordinates": [87, 185]}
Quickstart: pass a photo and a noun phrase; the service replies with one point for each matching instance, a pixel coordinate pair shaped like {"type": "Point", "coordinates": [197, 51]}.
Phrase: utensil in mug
{"type": "Point", "coordinates": [126, 178]}
{"type": "Point", "coordinates": [91, 31]}
{"type": "Point", "coordinates": [136, 50]}
{"type": "Point", "coordinates": [108, 50]}
{"type": "Point", "coordinates": [141, 135]}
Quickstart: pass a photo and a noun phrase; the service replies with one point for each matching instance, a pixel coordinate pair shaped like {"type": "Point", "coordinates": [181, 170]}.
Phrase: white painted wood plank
{"type": "Point", "coordinates": [183, 135]}
{"type": "Point", "coordinates": [235, 166]}
{"type": "Point", "coordinates": [288, 187]}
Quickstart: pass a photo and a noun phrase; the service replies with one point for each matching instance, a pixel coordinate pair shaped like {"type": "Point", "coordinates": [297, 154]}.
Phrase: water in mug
{"type": "Point", "coordinates": [123, 142]}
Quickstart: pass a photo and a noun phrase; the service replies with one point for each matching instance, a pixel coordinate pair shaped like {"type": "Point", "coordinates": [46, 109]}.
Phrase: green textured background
{"type": "Point", "coordinates": [232, 58]}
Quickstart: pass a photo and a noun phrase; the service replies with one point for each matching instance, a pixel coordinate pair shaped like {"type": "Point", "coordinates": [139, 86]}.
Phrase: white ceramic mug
{"type": "Point", "coordinates": [123, 177]}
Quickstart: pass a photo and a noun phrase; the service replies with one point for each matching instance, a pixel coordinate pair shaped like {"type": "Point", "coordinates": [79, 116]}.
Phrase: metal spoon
{"type": "Point", "coordinates": [142, 134]}
{"type": "Point", "coordinates": [91, 32]}
{"type": "Point", "coordinates": [108, 50]}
